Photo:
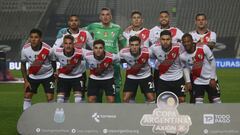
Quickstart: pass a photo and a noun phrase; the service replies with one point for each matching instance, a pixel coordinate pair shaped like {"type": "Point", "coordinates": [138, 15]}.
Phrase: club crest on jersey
{"type": "Point", "coordinates": [106, 64]}
{"type": "Point", "coordinates": [143, 60]}
{"type": "Point", "coordinates": [105, 34]}
{"type": "Point", "coordinates": [174, 55]}
{"type": "Point", "coordinates": [82, 38]}
{"type": "Point", "coordinates": [200, 56]}
{"type": "Point", "coordinates": [143, 36]}
{"type": "Point", "coordinates": [75, 60]}
{"type": "Point", "coordinates": [43, 56]}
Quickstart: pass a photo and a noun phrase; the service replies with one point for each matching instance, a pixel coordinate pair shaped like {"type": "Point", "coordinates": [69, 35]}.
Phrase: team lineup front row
{"type": "Point", "coordinates": [180, 67]}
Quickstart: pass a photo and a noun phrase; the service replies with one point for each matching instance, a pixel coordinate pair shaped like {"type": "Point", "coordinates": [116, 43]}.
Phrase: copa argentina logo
{"type": "Point", "coordinates": [165, 119]}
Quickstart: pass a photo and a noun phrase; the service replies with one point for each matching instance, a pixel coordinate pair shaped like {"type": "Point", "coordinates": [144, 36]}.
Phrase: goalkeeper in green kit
{"type": "Point", "coordinates": [112, 35]}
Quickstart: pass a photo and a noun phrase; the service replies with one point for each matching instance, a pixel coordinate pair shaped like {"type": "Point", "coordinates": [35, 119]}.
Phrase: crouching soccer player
{"type": "Point", "coordinates": [199, 60]}
{"type": "Point", "coordinates": [138, 72]}
{"type": "Point", "coordinates": [71, 69]}
{"type": "Point", "coordinates": [101, 72]}
{"type": "Point", "coordinates": [42, 65]}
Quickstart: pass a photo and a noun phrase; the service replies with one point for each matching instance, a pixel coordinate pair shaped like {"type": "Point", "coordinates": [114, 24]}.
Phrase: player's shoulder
{"type": "Point", "coordinates": [27, 45]}
{"type": "Point", "coordinates": [183, 55]}
{"type": "Point", "coordinates": [155, 28]}
{"type": "Point", "coordinates": [58, 50]}
{"type": "Point", "coordinates": [45, 45]}
{"type": "Point", "coordinates": [125, 50]}
{"type": "Point", "coordinates": [192, 32]}
{"type": "Point", "coordinates": [62, 32]}
{"type": "Point", "coordinates": [108, 54]}
{"type": "Point", "coordinates": [114, 25]}
{"type": "Point", "coordinates": [88, 53]}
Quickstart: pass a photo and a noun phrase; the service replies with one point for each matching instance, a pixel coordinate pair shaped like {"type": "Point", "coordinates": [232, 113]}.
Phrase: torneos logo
{"type": "Point", "coordinates": [165, 119]}
{"type": "Point", "coordinates": [96, 116]}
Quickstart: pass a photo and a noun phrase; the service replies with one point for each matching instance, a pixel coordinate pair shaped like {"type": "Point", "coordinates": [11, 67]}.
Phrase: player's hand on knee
{"type": "Point", "coordinates": [27, 85]}
{"type": "Point", "coordinates": [213, 83]}
{"type": "Point", "coordinates": [188, 86]}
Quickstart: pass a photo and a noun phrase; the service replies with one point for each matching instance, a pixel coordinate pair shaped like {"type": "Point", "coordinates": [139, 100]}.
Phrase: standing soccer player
{"type": "Point", "coordinates": [114, 40]}
{"type": "Point", "coordinates": [199, 61]}
{"type": "Point", "coordinates": [202, 34]}
{"type": "Point", "coordinates": [82, 39]}
{"type": "Point", "coordinates": [136, 29]}
{"type": "Point", "coordinates": [164, 20]}
{"type": "Point", "coordinates": [169, 66]}
{"type": "Point", "coordinates": [42, 65]}
{"type": "Point", "coordinates": [138, 72]}
{"type": "Point", "coordinates": [101, 72]}
{"type": "Point", "coordinates": [70, 71]}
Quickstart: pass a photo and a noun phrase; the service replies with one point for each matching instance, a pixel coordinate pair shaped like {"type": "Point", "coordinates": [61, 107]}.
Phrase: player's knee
{"type": "Point", "coordinates": [217, 100]}
{"type": "Point", "coordinates": [78, 97]}
{"type": "Point", "coordinates": [92, 99]}
{"type": "Point", "coordinates": [60, 98]}
{"type": "Point", "coordinates": [198, 100]}
{"type": "Point", "coordinates": [181, 99]}
{"type": "Point", "coordinates": [28, 95]}
{"type": "Point", "coordinates": [110, 99]}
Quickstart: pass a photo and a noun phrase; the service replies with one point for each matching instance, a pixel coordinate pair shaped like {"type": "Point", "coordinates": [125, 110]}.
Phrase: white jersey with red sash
{"type": "Point", "coordinates": [199, 64]}
{"type": "Point", "coordinates": [155, 34]}
{"type": "Point", "coordinates": [168, 63]}
{"type": "Point", "coordinates": [137, 67]}
{"type": "Point", "coordinates": [209, 36]}
{"type": "Point", "coordinates": [101, 69]}
{"type": "Point", "coordinates": [143, 34]}
{"type": "Point", "coordinates": [40, 61]}
{"type": "Point", "coordinates": [70, 67]}
{"type": "Point", "coordinates": [82, 38]}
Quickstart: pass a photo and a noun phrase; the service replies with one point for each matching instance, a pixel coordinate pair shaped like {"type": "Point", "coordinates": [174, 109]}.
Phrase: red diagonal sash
{"type": "Point", "coordinates": [71, 64]}
{"type": "Point", "coordinates": [143, 35]}
{"type": "Point", "coordinates": [198, 63]}
{"type": "Point", "coordinates": [167, 63]}
{"type": "Point", "coordinates": [143, 58]}
{"type": "Point", "coordinates": [81, 39]}
{"type": "Point", "coordinates": [101, 67]}
{"type": "Point", "coordinates": [37, 64]}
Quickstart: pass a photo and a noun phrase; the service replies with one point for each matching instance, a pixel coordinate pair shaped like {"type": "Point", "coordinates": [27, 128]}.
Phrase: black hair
{"type": "Point", "coordinates": [165, 11]}
{"type": "Point", "coordinates": [39, 32]}
{"type": "Point", "coordinates": [99, 41]}
{"type": "Point", "coordinates": [136, 12]}
{"type": "Point", "coordinates": [134, 38]}
{"type": "Point", "coordinates": [73, 15]}
{"type": "Point", "coordinates": [187, 35]}
{"type": "Point", "coordinates": [200, 14]}
{"type": "Point", "coordinates": [69, 37]}
{"type": "Point", "coordinates": [166, 32]}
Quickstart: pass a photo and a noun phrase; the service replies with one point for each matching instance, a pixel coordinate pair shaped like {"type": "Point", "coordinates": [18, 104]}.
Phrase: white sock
{"type": "Point", "coordinates": [199, 100]}
{"type": "Point", "coordinates": [217, 100]}
{"type": "Point", "coordinates": [60, 98]}
{"type": "Point", "coordinates": [78, 98]}
{"type": "Point", "coordinates": [26, 103]}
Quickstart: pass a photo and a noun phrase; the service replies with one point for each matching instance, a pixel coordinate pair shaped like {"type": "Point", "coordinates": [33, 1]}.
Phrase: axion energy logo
{"type": "Point", "coordinates": [165, 119]}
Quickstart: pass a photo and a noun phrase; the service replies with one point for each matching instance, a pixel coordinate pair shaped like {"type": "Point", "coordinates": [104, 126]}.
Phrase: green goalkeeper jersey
{"type": "Point", "coordinates": [112, 35]}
